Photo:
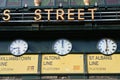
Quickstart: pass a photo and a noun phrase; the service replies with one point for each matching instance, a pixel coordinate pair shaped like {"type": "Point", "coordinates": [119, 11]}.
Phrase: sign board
{"type": "Point", "coordinates": [59, 13]}
{"type": "Point", "coordinates": [55, 64]}
{"type": "Point", "coordinates": [26, 64]}
{"type": "Point", "coordinates": [98, 63]}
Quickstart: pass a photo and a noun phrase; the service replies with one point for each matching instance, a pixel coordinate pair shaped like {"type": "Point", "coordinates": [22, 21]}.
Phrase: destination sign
{"type": "Point", "coordinates": [26, 64]}
{"type": "Point", "coordinates": [55, 64]}
{"type": "Point", "coordinates": [98, 63]}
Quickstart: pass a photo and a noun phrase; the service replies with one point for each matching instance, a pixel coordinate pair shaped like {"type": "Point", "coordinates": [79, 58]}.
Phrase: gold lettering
{"type": "Point", "coordinates": [48, 10]}
{"type": "Point", "coordinates": [6, 13]}
{"type": "Point", "coordinates": [92, 12]}
{"type": "Point", "coordinates": [70, 14]}
{"type": "Point", "coordinates": [60, 14]}
{"type": "Point", "coordinates": [38, 15]}
{"type": "Point", "coordinates": [80, 14]}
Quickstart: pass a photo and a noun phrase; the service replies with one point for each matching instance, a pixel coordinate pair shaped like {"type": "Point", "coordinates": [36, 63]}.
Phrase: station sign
{"type": "Point", "coordinates": [98, 63]}
{"type": "Point", "coordinates": [68, 64]}
{"type": "Point", "coordinates": [26, 64]}
{"type": "Point", "coordinates": [59, 14]}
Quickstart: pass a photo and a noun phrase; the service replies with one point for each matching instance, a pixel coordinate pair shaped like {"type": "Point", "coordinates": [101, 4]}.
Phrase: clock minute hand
{"type": "Point", "coordinates": [62, 43]}
{"type": "Point", "coordinates": [106, 46]}
{"type": "Point", "coordinates": [18, 50]}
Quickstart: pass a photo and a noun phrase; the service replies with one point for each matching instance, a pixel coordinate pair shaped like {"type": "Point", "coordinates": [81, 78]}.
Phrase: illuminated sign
{"type": "Point", "coordinates": [60, 14]}
{"type": "Point", "coordinates": [26, 64]}
{"type": "Point", "coordinates": [55, 64]}
{"type": "Point", "coordinates": [98, 63]}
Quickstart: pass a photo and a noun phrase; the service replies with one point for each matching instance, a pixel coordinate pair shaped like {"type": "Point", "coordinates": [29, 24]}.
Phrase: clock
{"type": "Point", "coordinates": [107, 46]}
{"type": "Point", "coordinates": [62, 46]}
{"type": "Point", "coordinates": [18, 47]}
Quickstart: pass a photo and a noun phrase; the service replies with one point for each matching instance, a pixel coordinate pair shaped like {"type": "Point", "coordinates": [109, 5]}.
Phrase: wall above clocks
{"type": "Point", "coordinates": [18, 47]}
{"type": "Point", "coordinates": [62, 46]}
{"type": "Point", "coordinates": [107, 46]}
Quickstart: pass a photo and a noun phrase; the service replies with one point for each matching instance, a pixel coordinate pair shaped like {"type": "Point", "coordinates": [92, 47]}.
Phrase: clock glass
{"type": "Point", "coordinates": [107, 46]}
{"type": "Point", "coordinates": [18, 47]}
{"type": "Point", "coordinates": [62, 46]}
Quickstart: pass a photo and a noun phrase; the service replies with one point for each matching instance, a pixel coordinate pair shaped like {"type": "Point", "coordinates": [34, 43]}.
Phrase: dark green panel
{"type": "Point", "coordinates": [47, 3]}
{"type": "Point", "coordinates": [28, 2]}
{"type": "Point", "coordinates": [2, 3]}
{"type": "Point", "coordinates": [13, 3]}
{"type": "Point", "coordinates": [63, 2]}
{"type": "Point", "coordinates": [98, 2]}
{"type": "Point", "coordinates": [112, 2]}
{"type": "Point", "coordinates": [77, 2]}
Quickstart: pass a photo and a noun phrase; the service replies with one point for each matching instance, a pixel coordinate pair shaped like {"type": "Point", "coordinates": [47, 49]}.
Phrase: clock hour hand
{"type": "Point", "coordinates": [15, 48]}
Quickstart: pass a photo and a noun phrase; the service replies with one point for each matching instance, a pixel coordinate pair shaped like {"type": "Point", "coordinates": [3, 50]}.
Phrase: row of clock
{"type": "Point", "coordinates": [61, 47]}
{"type": "Point", "coordinates": [64, 46]}
{"type": "Point", "coordinates": [106, 46]}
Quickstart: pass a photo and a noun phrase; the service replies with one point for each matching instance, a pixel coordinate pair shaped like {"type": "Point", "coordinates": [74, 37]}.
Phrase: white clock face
{"type": "Point", "coordinates": [62, 46]}
{"type": "Point", "coordinates": [107, 46]}
{"type": "Point", "coordinates": [18, 47]}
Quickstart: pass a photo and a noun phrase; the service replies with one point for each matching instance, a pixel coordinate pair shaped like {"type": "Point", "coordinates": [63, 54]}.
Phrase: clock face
{"type": "Point", "coordinates": [18, 47]}
{"type": "Point", "coordinates": [107, 46]}
{"type": "Point", "coordinates": [62, 46]}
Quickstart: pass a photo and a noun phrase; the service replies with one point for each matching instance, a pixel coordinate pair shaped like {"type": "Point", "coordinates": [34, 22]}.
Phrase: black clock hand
{"type": "Point", "coordinates": [106, 46]}
{"type": "Point", "coordinates": [62, 43]}
{"type": "Point", "coordinates": [18, 50]}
